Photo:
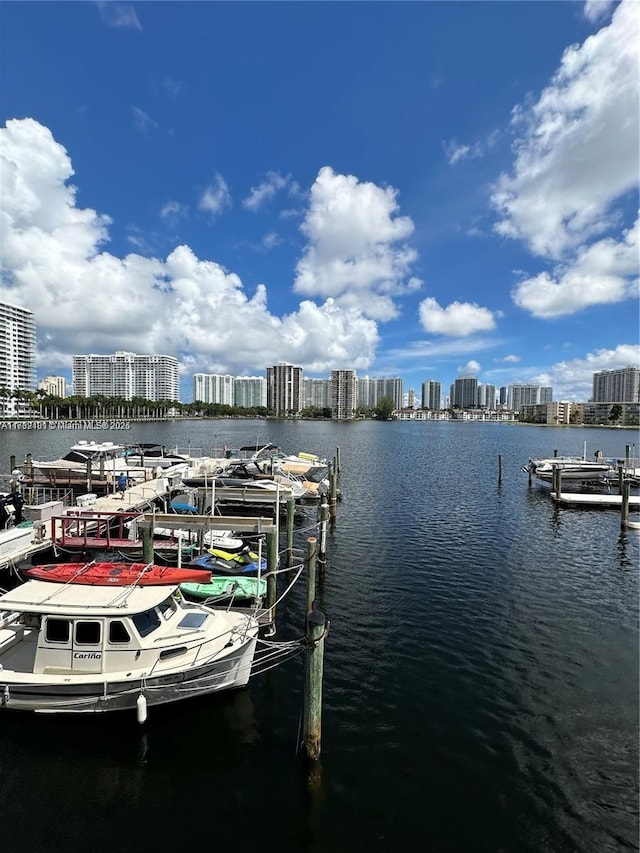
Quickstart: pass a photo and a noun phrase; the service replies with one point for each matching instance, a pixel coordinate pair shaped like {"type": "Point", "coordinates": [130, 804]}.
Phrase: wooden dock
{"type": "Point", "coordinates": [601, 500]}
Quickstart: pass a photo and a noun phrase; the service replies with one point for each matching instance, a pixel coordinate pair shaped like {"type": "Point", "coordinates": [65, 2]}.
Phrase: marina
{"type": "Point", "coordinates": [482, 650]}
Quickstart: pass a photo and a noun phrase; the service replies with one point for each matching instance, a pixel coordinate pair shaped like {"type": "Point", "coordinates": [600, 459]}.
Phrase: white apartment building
{"type": "Point", "coordinates": [126, 375]}
{"type": "Point", "coordinates": [617, 386]}
{"type": "Point", "coordinates": [527, 395]}
{"type": "Point", "coordinates": [54, 386]}
{"type": "Point", "coordinates": [249, 392]}
{"type": "Point", "coordinates": [343, 394]}
{"type": "Point", "coordinates": [212, 388]}
{"type": "Point", "coordinates": [316, 393]}
{"type": "Point", "coordinates": [371, 391]}
{"type": "Point", "coordinates": [17, 357]}
{"type": "Point", "coordinates": [431, 395]}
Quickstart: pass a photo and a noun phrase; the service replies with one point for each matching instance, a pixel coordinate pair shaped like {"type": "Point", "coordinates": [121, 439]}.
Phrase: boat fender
{"type": "Point", "coordinates": [141, 708]}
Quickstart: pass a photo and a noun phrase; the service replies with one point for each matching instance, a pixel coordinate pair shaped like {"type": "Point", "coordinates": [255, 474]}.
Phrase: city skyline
{"type": "Point", "coordinates": [379, 215]}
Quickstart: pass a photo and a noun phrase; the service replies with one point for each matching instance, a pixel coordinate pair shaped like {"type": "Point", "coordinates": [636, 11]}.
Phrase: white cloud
{"type": "Point", "coordinates": [455, 152]}
{"type": "Point", "coordinates": [573, 380]}
{"type": "Point", "coordinates": [595, 10]}
{"type": "Point", "coordinates": [470, 368]}
{"type": "Point", "coordinates": [604, 272]}
{"type": "Point", "coordinates": [142, 121]}
{"type": "Point", "coordinates": [264, 191]}
{"type": "Point", "coordinates": [510, 358]}
{"type": "Point", "coordinates": [173, 210]}
{"type": "Point", "coordinates": [355, 252]}
{"type": "Point", "coordinates": [216, 197]}
{"type": "Point", "coordinates": [119, 15]}
{"type": "Point", "coordinates": [459, 319]}
{"type": "Point", "coordinates": [271, 240]}
{"type": "Point", "coordinates": [577, 149]}
{"type": "Point", "coordinates": [88, 300]}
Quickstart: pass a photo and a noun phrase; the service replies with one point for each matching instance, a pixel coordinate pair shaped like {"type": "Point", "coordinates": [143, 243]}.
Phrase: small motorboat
{"type": "Point", "coordinates": [220, 562]}
{"type": "Point", "coordinates": [227, 588]}
{"type": "Point", "coordinates": [117, 574]}
{"type": "Point", "coordinates": [74, 649]}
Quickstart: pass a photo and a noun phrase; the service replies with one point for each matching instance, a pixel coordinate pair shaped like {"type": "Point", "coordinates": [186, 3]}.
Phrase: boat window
{"type": "Point", "coordinates": [192, 620]}
{"type": "Point", "coordinates": [118, 633]}
{"type": "Point", "coordinates": [58, 631]}
{"type": "Point", "coordinates": [88, 633]}
{"type": "Point", "coordinates": [146, 622]}
{"type": "Point", "coordinates": [167, 608]}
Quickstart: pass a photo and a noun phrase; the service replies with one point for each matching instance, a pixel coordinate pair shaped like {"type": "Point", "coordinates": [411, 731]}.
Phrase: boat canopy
{"type": "Point", "coordinates": [79, 600]}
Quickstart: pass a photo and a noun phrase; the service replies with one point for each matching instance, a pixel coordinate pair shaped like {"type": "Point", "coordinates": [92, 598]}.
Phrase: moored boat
{"type": "Point", "coordinates": [117, 574]}
{"type": "Point", "coordinates": [87, 649]}
{"type": "Point", "coordinates": [225, 588]}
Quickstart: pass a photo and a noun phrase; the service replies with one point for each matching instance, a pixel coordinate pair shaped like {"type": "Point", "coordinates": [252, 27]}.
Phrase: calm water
{"type": "Point", "coordinates": [481, 672]}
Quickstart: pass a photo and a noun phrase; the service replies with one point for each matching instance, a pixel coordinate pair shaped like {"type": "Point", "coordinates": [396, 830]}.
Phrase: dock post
{"type": "Point", "coordinates": [89, 482]}
{"type": "Point", "coordinates": [624, 504]}
{"type": "Point", "coordinates": [29, 468]}
{"type": "Point", "coordinates": [333, 484]}
{"type": "Point", "coordinates": [557, 482]}
{"type": "Point", "coordinates": [499, 467]}
{"type": "Point", "coordinates": [272, 567]}
{"type": "Point", "coordinates": [620, 474]}
{"type": "Point", "coordinates": [338, 462]}
{"type": "Point", "coordinates": [291, 509]}
{"type": "Point", "coordinates": [555, 453]}
{"type": "Point", "coordinates": [312, 551]}
{"type": "Point", "coordinates": [627, 454]}
{"type": "Point", "coordinates": [12, 464]}
{"type": "Point", "coordinates": [312, 731]}
{"type": "Point", "coordinates": [146, 533]}
{"type": "Point", "coordinates": [324, 515]}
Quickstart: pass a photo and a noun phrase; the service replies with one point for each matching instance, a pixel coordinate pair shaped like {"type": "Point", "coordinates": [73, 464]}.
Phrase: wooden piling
{"type": "Point", "coordinates": [620, 474]}
{"type": "Point", "coordinates": [12, 464]}
{"type": "Point", "coordinates": [291, 509]}
{"type": "Point", "coordinates": [557, 481]}
{"type": "Point", "coordinates": [499, 467]}
{"type": "Point", "coordinates": [333, 487]}
{"type": "Point", "coordinates": [338, 463]}
{"type": "Point", "coordinates": [312, 551]}
{"type": "Point", "coordinates": [89, 475]}
{"type": "Point", "coordinates": [624, 503]}
{"type": "Point", "coordinates": [324, 517]}
{"type": "Point", "coordinates": [312, 730]}
{"type": "Point", "coordinates": [146, 534]}
{"type": "Point", "coordinates": [272, 568]}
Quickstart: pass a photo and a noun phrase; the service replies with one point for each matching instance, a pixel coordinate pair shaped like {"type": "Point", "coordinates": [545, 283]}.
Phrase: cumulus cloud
{"type": "Point", "coordinates": [471, 368]}
{"type": "Point", "coordinates": [119, 15]}
{"type": "Point", "coordinates": [265, 191]}
{"type": "Point", "coordinates": [355, 252]}
{"type": "Point", "coordinates": [86, 299]}
{"type": "Point", "coordinates": [459, 319]}
{"type": "Point", "coordinates": [595, 10]}
{"type": "Point", "coordinates": [604, 272]}
{"type": "Point", "coordinates": [216, 197]}
{"type": "Point", "coordinates": [577, 146]}
{"type": "Point", "coordinates": [573, 380]}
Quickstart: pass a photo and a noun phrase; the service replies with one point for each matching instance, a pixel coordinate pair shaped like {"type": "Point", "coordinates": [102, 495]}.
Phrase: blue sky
{"type": "Point", "coordinates": [425, 190]}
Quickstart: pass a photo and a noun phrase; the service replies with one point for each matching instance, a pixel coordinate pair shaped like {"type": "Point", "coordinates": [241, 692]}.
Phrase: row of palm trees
{"type": "Point", "coordinates": [100, 408]}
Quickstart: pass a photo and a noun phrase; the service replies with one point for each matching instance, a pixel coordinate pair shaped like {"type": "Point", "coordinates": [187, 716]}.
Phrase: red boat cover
{"type": "Point", "coordinates": [118, 574]}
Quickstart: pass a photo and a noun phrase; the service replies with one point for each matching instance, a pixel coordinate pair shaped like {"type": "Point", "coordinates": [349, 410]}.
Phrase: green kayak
{"type": "Point", "coordinates": [227, 587]}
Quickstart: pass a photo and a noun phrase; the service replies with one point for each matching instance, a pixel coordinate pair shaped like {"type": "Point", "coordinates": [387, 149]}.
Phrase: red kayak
{"type": "Point", "coordinates": [118, 574]}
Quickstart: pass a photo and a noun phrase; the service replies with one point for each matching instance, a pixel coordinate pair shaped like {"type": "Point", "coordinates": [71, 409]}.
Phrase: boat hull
{"type": "Point", "coordinates": [73, 695]}
{"type": "Point", "coordinates": [117, 574]}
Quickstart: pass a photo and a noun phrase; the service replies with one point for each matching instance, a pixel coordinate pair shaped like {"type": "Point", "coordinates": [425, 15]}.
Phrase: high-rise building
{"type": "Point", "coordinates": [249, 392]}
{"type": "Point", "coordinates": [17, 357]}
{"type": "Point", "coordinates": [527, 395]}
{"type": "Point", "coordinates": [212, 388]}
{"type": "Point", "coordinates": [126, 375]}
{"type": "Point", "coordinates": [316, 393]}
{"type": "Point", "coordinates": [487, 397]}
{"type": "Point", "coordinates": [371, 391]}
{"type": "Point", "coordinates": [55, 386]}
{"type": "Point", "coordinates": [431, 395]}
{"type": "Point", "coordinates": [284, 389]}
{"type": "Point", "coordinates": [343, 394]}
{"type": "Point", "coordinates": [617, 386]}
{"type": "Point", "coordinates": [464, 393]}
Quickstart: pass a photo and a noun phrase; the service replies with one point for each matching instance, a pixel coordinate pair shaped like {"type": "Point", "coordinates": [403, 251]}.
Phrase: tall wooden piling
{"type": "Point", "coordinates": [12, 464]}
{"type": "Point", "coordinates": [146, 533]}
{"type": "Point", "coordinates": [624, 503]}
{"type": "Point", "coordinates": [557, 481]}
{"type": "Point", "coordinates": [291, 509]}
{"type": "Point", "coordinates": [324, 517]}
{"type": "Point", "coordinates": [333, 491]}
{"type": "Point", "coordinates": [89, 475]}
{"type": "Point", "coordinates": [272, 568]}
{"type": "Point", "coordinates": [312, 729]}
{"type": "Point", "coordinates": [620, 474]}
{"type": "Point", "coordinates": [312, 551]}
{"type": "Point", "coordinates": [338, 463]}
{"type": "Point", "coordinates": [499, 467]}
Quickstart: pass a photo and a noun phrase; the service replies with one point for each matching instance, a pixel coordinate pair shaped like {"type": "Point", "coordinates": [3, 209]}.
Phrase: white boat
{"type": "Point", "coordinates": [105, 457]}
{"type": "Point", "coordinates": [571, 468]}
{"type": "Point", "coordinates": [68, 648]}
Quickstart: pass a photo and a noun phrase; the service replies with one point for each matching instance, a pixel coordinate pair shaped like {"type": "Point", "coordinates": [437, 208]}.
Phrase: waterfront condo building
{"type": "Point", "coordinates": [54, 386]}
{"type": "Point", "coordinates": [527, 395]}
{"type": "Point", "coordinates": [431, 395]}
{"type": "Point", "coordinates": [316, 393]}
{"type": "Point", "coordinates": [250, 392]}
{"type": "Point", "coordinates": [17, 357]}
{"type": "Point", "coordinates": [126, 375]}
{"type": "Point", "coordinates": [617, 386]}
{"type": "Point", "coordinates": [212, 388]}
{"type": "Point", "coordinates": [464, 393]}
{"type": "Point", "coordinates": [284, 389]}
{"type": "Point", "coordinates": [371, 391]}
{"type": "Point", "coordinates": [343, 391]}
